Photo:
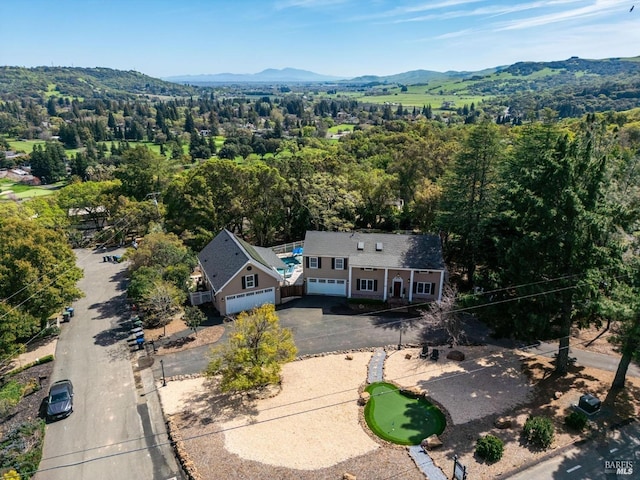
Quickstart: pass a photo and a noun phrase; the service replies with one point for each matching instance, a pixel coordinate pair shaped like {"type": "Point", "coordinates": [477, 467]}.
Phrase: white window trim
{"type": "Point", "coordinates": [249, 281]}
{"type": "Point", "coordinates": [335, 263]}
{"type": "Point", "coordinates": [365, 283]}
{"type": "Point", "coordinates": [313, 262]}
{"type": "Point", "coordinates": [426, 287]}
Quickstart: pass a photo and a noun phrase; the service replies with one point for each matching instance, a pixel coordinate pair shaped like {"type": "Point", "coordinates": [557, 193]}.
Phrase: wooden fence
{"type": "Point", "coordinates": [291, 291]}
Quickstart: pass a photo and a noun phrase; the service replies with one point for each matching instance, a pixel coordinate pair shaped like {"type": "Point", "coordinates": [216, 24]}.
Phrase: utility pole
{"type": "Point", "coordinates": [155, 200]}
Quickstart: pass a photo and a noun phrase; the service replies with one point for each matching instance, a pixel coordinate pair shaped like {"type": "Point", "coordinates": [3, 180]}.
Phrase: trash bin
{"type": "Point", "coordinates": [66, 316]}
{"type": "Point", "coordinates": [70, 310]}
{"type": "Point", "coordinates": [589, 403]}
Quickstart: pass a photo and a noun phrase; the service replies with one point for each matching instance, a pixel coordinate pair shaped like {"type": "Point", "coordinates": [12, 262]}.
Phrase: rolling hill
{"type": "Point", "coordinates": [19, 82]}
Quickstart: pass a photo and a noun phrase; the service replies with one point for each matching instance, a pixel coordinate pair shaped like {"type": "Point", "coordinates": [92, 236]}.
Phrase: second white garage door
{"type": "Point", "coordinates": [327, 286]}
{"type": "Point", "coordinates": [247, 301]}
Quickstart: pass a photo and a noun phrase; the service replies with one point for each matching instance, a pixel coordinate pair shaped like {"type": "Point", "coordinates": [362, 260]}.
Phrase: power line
{"type": "Point", "coordinates": [323, 407]}
{"type": "Point", "coordinates": [7, 358]}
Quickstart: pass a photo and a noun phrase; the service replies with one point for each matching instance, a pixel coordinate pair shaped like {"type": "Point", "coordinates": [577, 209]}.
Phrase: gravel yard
{"type": "Point", "coordinates": [313, 428]}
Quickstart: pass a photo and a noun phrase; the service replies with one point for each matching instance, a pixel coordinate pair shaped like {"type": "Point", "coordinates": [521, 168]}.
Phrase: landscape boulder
{"type": "Point", "coordinates": [349, 357]}
{"type": "Point", "coordinates": [348, 476]}
{"type": "Point", "coordinates": [455, 355]}
{"type": "Point", "coordinates": [557, 395]}
{"type": "Point", "coordinates": [407, 356]}
{"type": "Point", "coordinates": [503, 423]}
{"type": "Point", "coordinates": [431, 442]}
{"type": "Point", "coordinates": [363, 398]}
{"type": "Point", "coordinates": [413, 390]}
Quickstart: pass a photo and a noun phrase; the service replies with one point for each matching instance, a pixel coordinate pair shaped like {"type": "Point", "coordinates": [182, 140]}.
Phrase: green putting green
{"type": "Point", "coordinates": [400, 417]}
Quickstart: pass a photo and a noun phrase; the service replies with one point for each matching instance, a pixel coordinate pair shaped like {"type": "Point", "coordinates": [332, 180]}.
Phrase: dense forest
{"type": "Point", "coordinates": [524, 197]}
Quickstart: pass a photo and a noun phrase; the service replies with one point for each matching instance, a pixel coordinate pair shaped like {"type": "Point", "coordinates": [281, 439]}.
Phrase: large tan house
{"type": "Point", "coordinates": [238, 276]}
{"type": "Point", "coordinates": [380, 266]}
{"type": "Point", "coordinates": [388, 267]}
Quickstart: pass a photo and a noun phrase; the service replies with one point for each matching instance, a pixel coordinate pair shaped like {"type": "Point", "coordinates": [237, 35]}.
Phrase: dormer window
{"type": "Point", "coordinates": [378, 246]}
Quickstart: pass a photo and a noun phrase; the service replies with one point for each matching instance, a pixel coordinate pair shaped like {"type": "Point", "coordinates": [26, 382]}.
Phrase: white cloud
{"type": "Point", "coordinates": [307, 3]}
{"type": "Point", "coordinates": [598, 8]}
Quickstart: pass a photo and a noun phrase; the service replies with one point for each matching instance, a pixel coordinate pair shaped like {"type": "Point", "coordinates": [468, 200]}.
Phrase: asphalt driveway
{"type": "Point", "coordinates": [327, 324]}
{"type": "Point", "coordinates": [319, 324]}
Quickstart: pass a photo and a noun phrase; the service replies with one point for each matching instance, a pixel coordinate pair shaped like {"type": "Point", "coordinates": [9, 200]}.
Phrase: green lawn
{"type": "Point", "coordinates": [23, 191]}
{"type": "Point", "coordinates": [343, 127]}
{"type": "Point", "coordinates": [25, 146]}
{"type": "Point", "coordinates": [399, 417]}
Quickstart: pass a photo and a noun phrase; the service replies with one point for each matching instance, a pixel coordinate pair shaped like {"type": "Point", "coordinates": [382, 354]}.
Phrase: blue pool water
{"type": "Point", "coordinates": [292, 261]}
{"type": "Point", "coordinates": [289, 271]}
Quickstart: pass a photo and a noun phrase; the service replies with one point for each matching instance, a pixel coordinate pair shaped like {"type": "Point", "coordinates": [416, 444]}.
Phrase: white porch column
{"type": "Point", "coordinates": [386, 283]}
{"type": "Point", "coordinates": [410, 287]}
{"type": "Point", "coordinates": [349, 284]}
{"type": "Point", "coordinates": [441, 284]}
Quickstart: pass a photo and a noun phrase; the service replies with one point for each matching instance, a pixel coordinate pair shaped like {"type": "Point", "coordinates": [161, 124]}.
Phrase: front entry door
{"type": "Point", "coordinates": [397, 289]}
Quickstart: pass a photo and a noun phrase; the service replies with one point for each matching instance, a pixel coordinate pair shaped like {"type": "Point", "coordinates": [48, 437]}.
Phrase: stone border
{"type": "Point", "coordinates": [188, 466]}
{"type": "Point", "coordinates": [175, 438]}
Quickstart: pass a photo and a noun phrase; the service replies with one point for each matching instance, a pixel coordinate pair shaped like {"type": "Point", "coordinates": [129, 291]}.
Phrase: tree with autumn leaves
{"type": "Point", "coordinates": [254, 353]}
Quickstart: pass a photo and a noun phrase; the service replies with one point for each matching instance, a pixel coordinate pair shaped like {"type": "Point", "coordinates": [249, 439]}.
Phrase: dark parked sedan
{"type": "Point", "coordinates": [60, 402]}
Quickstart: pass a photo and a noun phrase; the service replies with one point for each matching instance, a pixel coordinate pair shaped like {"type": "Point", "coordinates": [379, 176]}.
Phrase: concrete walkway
{"type": "Point", "coordinates": [421, 458]}
{"type": "Point", "coordinates": [376, 366]}
{"type": "Point", "coordinates": [425, 463]}
{"type": "Point", "coordinates": [32, 355]}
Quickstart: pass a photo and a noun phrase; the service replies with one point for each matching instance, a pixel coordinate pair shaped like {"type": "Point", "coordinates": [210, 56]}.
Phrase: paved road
{"type": "Point", "coordinates": [113, 429]}
{"type": "Point", "coordinates": [586, 358]}
{"type": "Point", "coordinates": [316, 329]}
{"type": "Point", "coordinates": [588, 461]}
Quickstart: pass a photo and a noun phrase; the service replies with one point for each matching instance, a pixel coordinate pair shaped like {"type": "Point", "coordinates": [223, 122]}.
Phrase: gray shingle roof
{"type": "Point", "coordinates": [423, 252]}
{"type": "Point", "coordinates": [270, 258]}
{"type": "Point", "coordinates": [225, 255]}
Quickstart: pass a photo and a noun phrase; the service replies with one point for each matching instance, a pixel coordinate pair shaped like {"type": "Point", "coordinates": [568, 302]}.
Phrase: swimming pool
{"type": "Point", "coordinates": [292, 261]}
{"type": "Point", "coordinates": [288, 272]}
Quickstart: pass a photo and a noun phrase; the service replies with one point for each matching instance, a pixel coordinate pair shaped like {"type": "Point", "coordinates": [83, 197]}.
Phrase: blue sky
{"type": "Point", "coordinates": [333, 37]}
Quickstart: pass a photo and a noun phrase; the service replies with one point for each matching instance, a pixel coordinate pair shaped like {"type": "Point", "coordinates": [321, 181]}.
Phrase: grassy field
{"type": "Point", "coordinates": [343, 127]}
{"type": "Point", "coordinates": [25, 146]}
{"type": "Point", "coordinates": [23, 191]}
{"type": "Point", "coordinates": [418, 95]}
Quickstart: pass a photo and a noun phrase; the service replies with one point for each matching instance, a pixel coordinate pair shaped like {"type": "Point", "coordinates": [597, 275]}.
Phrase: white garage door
{"type": "Point", "coordinates": [247, 301]}
{"type": "Point", "coordinates": [327, 286]}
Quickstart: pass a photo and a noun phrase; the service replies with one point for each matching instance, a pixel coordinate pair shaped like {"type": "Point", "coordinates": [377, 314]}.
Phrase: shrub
{"type": "Point", "coordinates": [490, 448]}
{"type": "Point", "coordinates": [10, 395]}
{"type": "Point", "coordinates": [21, 448]}
{"type": "Point", "coordinates": [539, 431]}
{"type": "Point", "coordinates": [39, 361]}
{"type": "Point", "coordinates": [576, 420]}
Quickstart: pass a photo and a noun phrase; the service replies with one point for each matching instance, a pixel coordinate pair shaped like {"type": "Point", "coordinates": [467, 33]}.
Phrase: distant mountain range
{"type": "Point", "coordinates": [293, 75]}
{"type": "Point", "coordinates": [598, 77]}
{"type": "Point", "coordinates": [270, 75]}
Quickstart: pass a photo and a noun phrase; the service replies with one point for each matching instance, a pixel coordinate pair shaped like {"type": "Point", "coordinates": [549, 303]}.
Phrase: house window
{"type": "Point", "coordinates": [424, 288]}
{"type": "Point", "coordinates": [249, 281]}
{"type": "Point", "coordinates": [313, 262]}
{"type": "Point", "coordinates": [339, 263]}
{"type": "Point", "coordinates": [367, 284]}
